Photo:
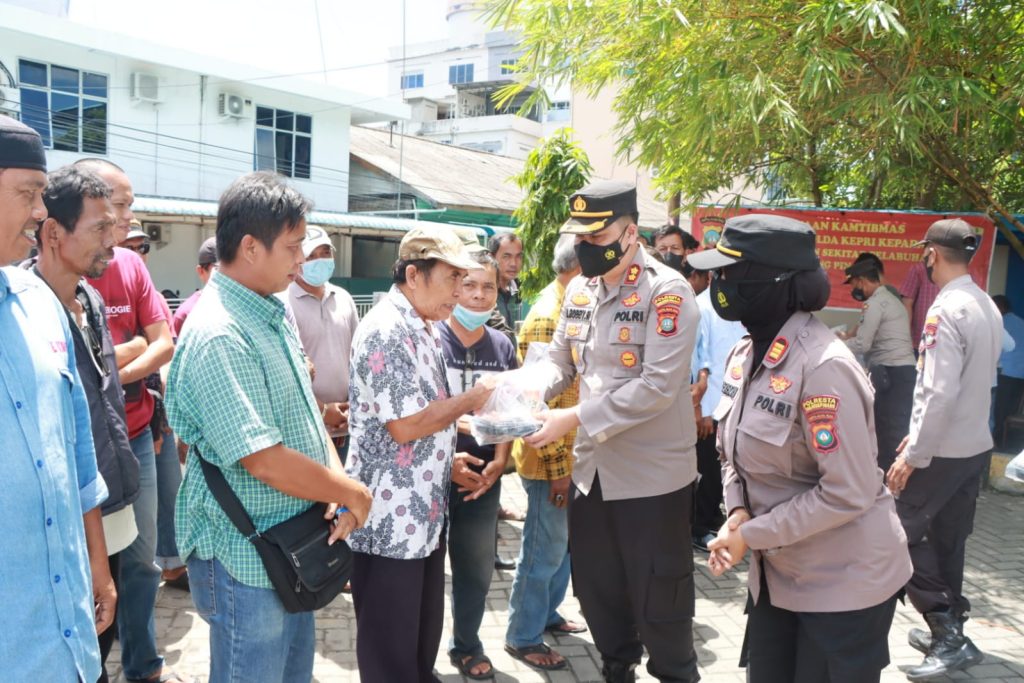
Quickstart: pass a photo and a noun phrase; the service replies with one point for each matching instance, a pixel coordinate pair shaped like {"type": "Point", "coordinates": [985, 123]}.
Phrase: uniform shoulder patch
{"type": "Point", "coordinates": [633, 274]}
{"type": "Point", "coordinates": [778, 350]}
{"type": "Point", "coordinates": [821, 412]}
{"type": "Point", "coordinates": [929, 336]}
{"type": "Point", "coordinates": [663, 299]}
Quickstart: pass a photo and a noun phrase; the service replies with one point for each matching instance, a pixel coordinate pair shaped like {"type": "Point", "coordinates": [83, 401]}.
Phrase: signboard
{"type": "Point", "coordinates": [842, 235]}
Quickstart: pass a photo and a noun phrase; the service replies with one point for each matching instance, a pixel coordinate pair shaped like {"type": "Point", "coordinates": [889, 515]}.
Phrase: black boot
{"type": "Point", "coordinates": [950, 650]}
{"type": "Point", "coordinates": [615, 671]}
{"type": "Point", "coordinates": [921, 640]}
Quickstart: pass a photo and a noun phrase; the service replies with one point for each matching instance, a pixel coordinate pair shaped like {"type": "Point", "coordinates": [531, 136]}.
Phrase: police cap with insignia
{"type": "Point", "coordinates": [860, 269]}
{"type": "Point", "coordinates": [768, 239]}
{"type": "Point", "coordinates": [953, 233]}
{"type": "Point", "coordinates": [598, 204]}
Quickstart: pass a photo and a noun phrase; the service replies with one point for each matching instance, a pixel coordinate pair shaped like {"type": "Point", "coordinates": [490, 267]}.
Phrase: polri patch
{"type": "Point", "coordinates": [631, 300]}
{"type": "Point", "coordinates": [780, 384]}
{"type": "Point", "coordinates": [629, 317]}
{"type": "Point", "coordinates": [774, 406]}
{"type": "Point", "coordinates": [628, 359]}
{"type": "Point", "coordinates": [821, 412]}
{"type": "Point", "coordinates": [632, 275]}
{"type": "Point", "coordinates": [778, 350]}
{"type": "Point", "coordinates": [668, 316]}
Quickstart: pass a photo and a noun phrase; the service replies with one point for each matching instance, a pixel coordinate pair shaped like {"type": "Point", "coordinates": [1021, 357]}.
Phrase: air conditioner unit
{"type": "Point", "coordinates": [144, 87]}
{"type": "Point", "coordinates": [234, 106]}
{"type": "Point", "coordinates": [154, 230]}
{"type": "Point", "coordinates": [10, 101]}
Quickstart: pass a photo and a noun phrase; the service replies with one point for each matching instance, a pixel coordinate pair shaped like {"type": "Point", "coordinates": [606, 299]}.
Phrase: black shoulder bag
{"type": "Point", "coordinates": [306, 572]}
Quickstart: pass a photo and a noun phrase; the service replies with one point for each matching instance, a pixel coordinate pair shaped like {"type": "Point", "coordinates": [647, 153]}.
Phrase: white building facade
{"type": "Point", "coordinates": [182, 125]}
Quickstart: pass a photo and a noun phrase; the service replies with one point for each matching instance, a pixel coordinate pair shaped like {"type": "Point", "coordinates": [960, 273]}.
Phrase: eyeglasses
{"type": "Point", "coordinates": [140, 249]}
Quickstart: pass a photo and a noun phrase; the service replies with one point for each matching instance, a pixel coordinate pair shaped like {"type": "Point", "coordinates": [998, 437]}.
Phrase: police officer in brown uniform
{"type": "Point", "coordinates": [802, 484]}
{"type": "Point", "coordinates": [937, 475]}
{"type": "Point", "coordinates": [627, 328]}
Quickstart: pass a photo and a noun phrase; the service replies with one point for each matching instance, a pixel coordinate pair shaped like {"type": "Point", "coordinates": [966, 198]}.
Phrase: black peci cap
{"type": "Point", "coordinates": [598, 204]}
{"type": "Point", "coordinates": [20, 146]}
{"type": "Point", "coordinates": [763, 238]}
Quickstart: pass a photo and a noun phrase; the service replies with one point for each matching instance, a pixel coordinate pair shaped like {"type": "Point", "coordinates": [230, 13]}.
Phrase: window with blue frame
{"type": "Point", "coordinates": [67, 107]}
{"type": "Point", "coordinates": [284, 142]}
{"type": "Point", "coordinates": [460, 73]}
{"type": "Point", "coordinates": [508, 66]}
{"type": "Point", "coordinates": [410, 81]}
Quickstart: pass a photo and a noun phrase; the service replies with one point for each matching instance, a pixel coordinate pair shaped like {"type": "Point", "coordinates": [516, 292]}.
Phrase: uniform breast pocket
{"type": "Point", "coordinates": [67, 383]}
{"type": "Point", "coordinates": [627, 342]}
{"type": "Point", "coordinates": [763, 445]}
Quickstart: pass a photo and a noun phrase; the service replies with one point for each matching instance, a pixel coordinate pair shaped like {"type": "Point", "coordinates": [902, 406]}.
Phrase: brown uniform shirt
{"type": "Point", "coordinates": [798, 435]}
{"type": "Point", "coordinates": [631, 345]}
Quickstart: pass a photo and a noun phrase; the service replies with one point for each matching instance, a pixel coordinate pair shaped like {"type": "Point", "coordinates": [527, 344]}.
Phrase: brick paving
{"type": "Point", "coordinates": [994, 581]}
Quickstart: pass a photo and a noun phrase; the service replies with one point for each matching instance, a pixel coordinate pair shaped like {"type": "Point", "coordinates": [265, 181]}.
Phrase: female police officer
{"type": "Point", "coordinates": [802, 483]}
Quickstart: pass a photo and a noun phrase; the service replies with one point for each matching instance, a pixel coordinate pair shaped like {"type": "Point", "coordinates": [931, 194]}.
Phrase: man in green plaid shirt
{"type": "Point", "coordinates": [240, 394]}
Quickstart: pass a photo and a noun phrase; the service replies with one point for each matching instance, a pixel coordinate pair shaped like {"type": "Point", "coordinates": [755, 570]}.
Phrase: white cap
{"type": "Point", "coordinates": [315, 237]}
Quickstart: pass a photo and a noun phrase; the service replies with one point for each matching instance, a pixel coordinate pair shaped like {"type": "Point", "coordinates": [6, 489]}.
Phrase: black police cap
{"type": "Point", "coordinates": [954, 233]}
{"type": "Point", "coordinates": [860, 269]}
{"type": "Point", "coordinates": [768, 239]}
{"type": "Point", "coordinates": [597, 205]}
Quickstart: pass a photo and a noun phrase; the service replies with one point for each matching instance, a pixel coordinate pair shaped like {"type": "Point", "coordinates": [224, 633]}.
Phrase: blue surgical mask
{"type": "Point", "coordinates": [318, 271]}
{"type": "Point", "coordinates": [471, 320]}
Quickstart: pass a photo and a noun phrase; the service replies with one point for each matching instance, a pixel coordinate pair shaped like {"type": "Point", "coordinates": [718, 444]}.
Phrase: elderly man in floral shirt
{"type": "Point", "coordinates": [402, 423]}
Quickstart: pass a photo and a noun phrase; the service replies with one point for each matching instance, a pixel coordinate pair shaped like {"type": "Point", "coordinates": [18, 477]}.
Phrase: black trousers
{"type": "Point", "coordinates": [632, 570]}
{"type": "Point", "coordinates": [937, 511]}
{"type": "Point", "coordinates": [107, 637]}
{"type": "Point", "coordinates": [892, 412]}
{"type": "Point", "coordinates": [1007, 400]}
{"type": "Point", "coordinates": [707, 501]}
{"type": "Point", "coordinates": [399, 615]}
{"type": "Point", "coordinates": [780, 646]}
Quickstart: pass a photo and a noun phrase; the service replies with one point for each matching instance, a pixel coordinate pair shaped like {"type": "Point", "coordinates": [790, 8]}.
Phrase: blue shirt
{"type": "Point", "coordinates": [716, 337]}
{"type": "Point", "coordinates": [50, 480]}
{"type": "Point", "coordinates": [1011, 363]}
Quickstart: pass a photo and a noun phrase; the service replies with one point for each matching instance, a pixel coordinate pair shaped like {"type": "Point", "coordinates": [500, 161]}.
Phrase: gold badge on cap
{"type": "Point", "coordinates": [579, 204]}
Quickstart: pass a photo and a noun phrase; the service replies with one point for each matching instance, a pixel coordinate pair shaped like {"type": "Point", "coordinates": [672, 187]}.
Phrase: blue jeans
{"type": "Point", "coordinates": [168, 481]}
{"type": "Point", "coordinates": [139, 575]}
{"type": "Point", "coordinates": [542, 574]}
{"type": "Point", "coordinates": [471, 553]}
{"type": "Point", "coordinates": [252, 638]}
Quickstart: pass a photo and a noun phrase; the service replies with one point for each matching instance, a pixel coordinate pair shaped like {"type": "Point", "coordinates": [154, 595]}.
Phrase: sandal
{"type": "Point", "coordinates": [566, 627]}
{"type": "Point", "coordinates": [521, 653]}
{"type": "Point", "coordinates": [466, 663]}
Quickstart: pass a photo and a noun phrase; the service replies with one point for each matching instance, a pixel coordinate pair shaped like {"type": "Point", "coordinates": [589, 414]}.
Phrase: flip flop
{"type": "Point", "coordinates": [521, 653]}
{"type": "Point", "coordinates": [566, 627]}
{"type": "Point", "coordinates": [466, 664]}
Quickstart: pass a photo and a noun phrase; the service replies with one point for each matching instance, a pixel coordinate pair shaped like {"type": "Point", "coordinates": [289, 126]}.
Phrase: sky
{"type": "Point", "coordinates": [280, 35]}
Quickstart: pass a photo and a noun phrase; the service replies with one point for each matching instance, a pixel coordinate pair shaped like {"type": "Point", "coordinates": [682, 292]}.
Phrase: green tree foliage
{"type": "Point", "coordinates": [856, 103]}
{"type": "Point", "coordinates": [554, 170]}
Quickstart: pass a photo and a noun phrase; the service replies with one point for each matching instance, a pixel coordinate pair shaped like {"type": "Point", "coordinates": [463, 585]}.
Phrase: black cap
{"type": "Point", "coordinates": [860, 269]}
{"type": "Point", "coordinates": [20, 146]}
{"type": "Point", "coordinates": [208, 252]}
{"type": "Point", "coordinates": [763, 238]}
{"type": "Point", "coordinates": [954, 233]}
{"type": "Point", "coordinates": [595, 206]}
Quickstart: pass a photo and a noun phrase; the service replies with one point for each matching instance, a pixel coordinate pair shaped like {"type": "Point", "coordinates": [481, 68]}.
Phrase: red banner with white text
{"type": "Point", "coordinates": [843, 234]}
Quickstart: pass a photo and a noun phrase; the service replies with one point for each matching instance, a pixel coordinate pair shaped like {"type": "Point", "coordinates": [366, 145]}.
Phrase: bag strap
{"type": "Point", "coordinates": [227, 498]}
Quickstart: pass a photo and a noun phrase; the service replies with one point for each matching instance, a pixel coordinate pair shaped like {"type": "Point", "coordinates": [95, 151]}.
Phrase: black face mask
{"type": "Point", "coordinates": [929, 269]}
{"type": "Point", "coordinates": [673, 260]}
{"type": "Point", "coordinates": [596, 259]}
{"type": "Point", "coordinates": [858, 294]}
{"type": "Point", "coordinates": [741, 299]}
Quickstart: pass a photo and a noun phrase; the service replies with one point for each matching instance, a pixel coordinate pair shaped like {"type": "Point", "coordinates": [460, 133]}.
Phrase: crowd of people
{"type": "Point", "coordinates": [694, 402]}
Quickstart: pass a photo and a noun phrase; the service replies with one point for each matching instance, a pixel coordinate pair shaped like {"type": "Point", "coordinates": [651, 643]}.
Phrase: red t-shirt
{"type": "Point", "coordinates": [132, 304]}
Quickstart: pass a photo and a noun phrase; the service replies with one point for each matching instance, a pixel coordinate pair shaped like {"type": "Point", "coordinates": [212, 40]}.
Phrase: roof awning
{"type": "Point", "coordinates": [170, 207]}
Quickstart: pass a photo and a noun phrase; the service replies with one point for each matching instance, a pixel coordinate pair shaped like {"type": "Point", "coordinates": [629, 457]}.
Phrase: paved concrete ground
{"type": "Point", "coordinates": [995, 578]}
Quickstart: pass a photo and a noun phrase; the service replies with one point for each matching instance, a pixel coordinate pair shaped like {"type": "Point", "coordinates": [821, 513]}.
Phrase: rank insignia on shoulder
{"type": "Point", "coordinates": [628, 359]}
{"type": "Point", "coordinates": [777, 351]}
{"type": "Point", "coordinates": [631, 300]}
{"type": "Point", "coordinates": [780, 384]}
{"type": "Point", "coordinates": [821, 412]}
{"type": "Point", "coordinates": [929, 336]}
{"type": "Point", "coordinates": [624, 334]}
{"type": "Point", "coordinates": [580, 299]}
{"type": "Point", "coordinates": [633, 274]}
